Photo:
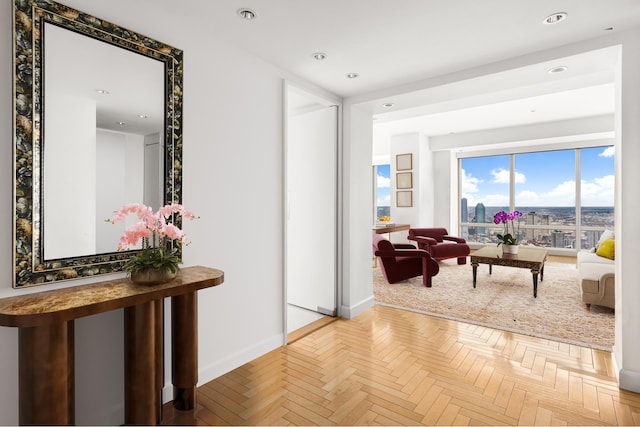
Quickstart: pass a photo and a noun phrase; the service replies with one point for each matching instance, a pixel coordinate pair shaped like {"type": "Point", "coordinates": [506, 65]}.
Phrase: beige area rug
{"type": "Point", "coordinates": [504, 300]}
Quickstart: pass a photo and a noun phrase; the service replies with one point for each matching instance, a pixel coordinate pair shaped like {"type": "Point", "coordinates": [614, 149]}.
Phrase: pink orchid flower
{"type": "Point", "coordinates": [152, 227]}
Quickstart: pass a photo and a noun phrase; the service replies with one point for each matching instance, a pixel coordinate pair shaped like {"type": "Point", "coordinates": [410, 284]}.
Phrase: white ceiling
{"type": "Point", "coordinates": [391, 43]}
{"type": "Point", "coordinates": [399, 41]}
{"type": "Point", "coordinates": [396, 42]}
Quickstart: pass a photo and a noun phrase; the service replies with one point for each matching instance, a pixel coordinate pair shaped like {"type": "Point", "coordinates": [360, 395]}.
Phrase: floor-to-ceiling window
{"type": "Point", "coordinates": [565, 196]}
{"type": "Point", "coordinates": [382, 196]}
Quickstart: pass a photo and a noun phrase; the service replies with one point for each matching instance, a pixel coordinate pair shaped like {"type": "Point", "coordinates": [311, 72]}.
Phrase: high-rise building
{"type": "Point", "coordinates": [481, 213]}
{"type": "Point", "coordinates": [530, 219]}
{"type": "Point", "coordinates": [590, 239]}
{"type": "Point", "coordinates": [464, 217]}
{"type": "Point", "coordinates": [557, 239]}
{"type": "Point", "coordinates": [464, 210]}
{"type": "Point", "coordinates": [544, 220]}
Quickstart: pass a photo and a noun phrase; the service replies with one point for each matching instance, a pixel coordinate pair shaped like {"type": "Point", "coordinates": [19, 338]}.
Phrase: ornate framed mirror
{"type": "Point", "coordinates": [98, 123]}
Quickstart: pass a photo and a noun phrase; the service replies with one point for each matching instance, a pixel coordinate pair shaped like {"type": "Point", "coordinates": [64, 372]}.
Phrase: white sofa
{"type": "Point", "coordinates": [597, 279]}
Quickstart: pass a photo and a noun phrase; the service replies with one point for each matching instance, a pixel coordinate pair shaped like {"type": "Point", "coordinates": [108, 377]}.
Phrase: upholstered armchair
{"type": "Point", "coordinates": [440, 244]}
{"type": "Point", "coordinates": [402, 261]}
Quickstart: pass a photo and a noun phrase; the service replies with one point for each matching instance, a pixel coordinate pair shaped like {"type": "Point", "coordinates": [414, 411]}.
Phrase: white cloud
{"type": "Point", "coordinates": [527, 198]}
{"type": "Point", "coordinates": [383, 181]}
{"type": "Point", "coordinates": [501, 176]}
{"type": "Point", "coordinates": [608, 152]}
{"type": "Point", "coordinates": [469, 183]}
{"type": "Point", "coordinates": [598, 192]}
{"type": "Point", "coordinates": [564, 194]}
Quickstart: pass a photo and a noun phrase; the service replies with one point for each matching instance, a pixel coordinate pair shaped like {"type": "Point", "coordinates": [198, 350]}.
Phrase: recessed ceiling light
{"type": "Point", "coordinates": [387, 104]}
{"type": "Point", "coordinates": [102, 91]}
{"type": "Point", "coordinates": [247, 14]}
{"type": "Point", "coordinates": [319, 56]}
{"type": "Point", "coordinates": [352, 75]}
{"type": "Point", "coordinates": [556, 70]}
{"type": "Point", "coordinates": [143, 116]}
{"type": "Point", "coordinates": [121, 123]}
{"type": "Point", "coordinates": [555, 18]}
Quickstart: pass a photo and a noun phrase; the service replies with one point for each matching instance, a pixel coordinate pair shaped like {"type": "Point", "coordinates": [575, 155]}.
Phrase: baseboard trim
{"type": "Point", "coordinates": [349, 312]}
{"type": "Point", "coordinates": [221, 367]}
{"type": "Point", "coordinates": [629, 380]}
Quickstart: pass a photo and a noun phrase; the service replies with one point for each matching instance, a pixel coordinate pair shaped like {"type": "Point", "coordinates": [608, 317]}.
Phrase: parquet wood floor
{"type": "Point", "coordinates": [394, 367]}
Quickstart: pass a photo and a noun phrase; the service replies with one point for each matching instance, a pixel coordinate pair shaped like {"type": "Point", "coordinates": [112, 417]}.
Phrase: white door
{"type": "Point", "coordinates": [311, 209]}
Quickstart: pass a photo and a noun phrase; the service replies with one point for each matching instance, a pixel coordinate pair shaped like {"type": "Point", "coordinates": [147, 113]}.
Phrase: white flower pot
{"type": "Point", "coordinates": [510, 249]}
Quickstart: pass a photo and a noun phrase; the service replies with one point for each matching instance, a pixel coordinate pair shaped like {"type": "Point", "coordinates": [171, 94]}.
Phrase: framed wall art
{"type": "Point", "coordinates": [404, 199]}
{"type": "Point", "coordinates": [404, 162]}
{"type": "Point", "coordinates": [404, 180]}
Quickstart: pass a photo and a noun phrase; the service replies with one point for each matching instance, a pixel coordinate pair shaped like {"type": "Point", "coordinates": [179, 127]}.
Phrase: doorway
{"type": "Point", "coordinates": [311, 208]}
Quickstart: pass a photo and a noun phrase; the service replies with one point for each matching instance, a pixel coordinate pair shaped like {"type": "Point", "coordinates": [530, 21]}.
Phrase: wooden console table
{"type": "Point", "coordinates": [383, 229]}
{"type": "Point", "coordinates": [46, 344]}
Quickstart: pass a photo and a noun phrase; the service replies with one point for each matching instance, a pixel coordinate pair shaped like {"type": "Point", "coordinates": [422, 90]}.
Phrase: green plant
{"type": "Point", "coordinates": [154, 258]}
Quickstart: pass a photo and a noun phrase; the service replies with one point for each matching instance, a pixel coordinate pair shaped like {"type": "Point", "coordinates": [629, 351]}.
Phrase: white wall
{"type": "Point", "coordinates": [426, 175]}
{"type": "Point", "coordinates": [153, 171]}
{"type": "Point", "coordinates": [444, 184]}
{"type": "Point", "coordinates": [627, 349]}
{"type": "Point", "coordinates": [71, 138]}
{"type": "Point", "coordinates": [357, 276]}
{"type": "Point", "coordinates": [232, 179]}
{"type": "Point", "coordinates": [119, 180]}
{"type": "Point", "coordinates": [405, 144]}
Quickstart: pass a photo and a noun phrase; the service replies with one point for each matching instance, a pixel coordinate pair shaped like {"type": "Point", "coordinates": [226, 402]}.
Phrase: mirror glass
{"type": "Point", "coordinates": [97, 125]}
{"type": "Point", "coordinates": [104, 125]}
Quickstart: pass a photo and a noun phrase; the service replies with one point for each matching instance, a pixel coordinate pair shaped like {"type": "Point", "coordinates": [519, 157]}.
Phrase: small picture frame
{"type": "Point", "coordinates": [404, 199]}
{"type": "Point", "coordinates": [404, 180]}
{"type": "Point", "coordinates": [404, 162]}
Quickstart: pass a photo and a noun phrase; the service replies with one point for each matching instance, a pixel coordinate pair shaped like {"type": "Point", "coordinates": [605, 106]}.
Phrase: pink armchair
{"type": "Point", "coordinates": [440, 244]}
{"type": "Point", "coordinates": [402, 261]}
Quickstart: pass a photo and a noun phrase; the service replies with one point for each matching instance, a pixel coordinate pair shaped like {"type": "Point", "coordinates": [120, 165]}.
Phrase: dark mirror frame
{"type": "Point", "coordinates": [29, 18]}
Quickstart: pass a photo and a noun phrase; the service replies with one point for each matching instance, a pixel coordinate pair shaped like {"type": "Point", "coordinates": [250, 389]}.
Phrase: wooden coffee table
{"type": "Point", "coordinates": [527, 257]}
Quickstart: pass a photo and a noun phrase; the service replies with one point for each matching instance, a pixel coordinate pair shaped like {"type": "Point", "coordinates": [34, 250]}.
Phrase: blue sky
{"type": "Point", "coordinates": [542, 179]}
{"type": "Point", "coordinates": [384, 185]}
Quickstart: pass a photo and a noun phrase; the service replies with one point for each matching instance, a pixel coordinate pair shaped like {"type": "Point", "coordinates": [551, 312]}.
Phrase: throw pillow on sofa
{"type": "Point", "coordinates": [607, 249]}
{"type": "Point", "coordinates": [606, 235]}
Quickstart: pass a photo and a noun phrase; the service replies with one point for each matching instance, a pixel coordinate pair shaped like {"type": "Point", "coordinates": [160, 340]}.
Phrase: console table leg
{"type": "Point", "coordinates": [159, 342]}
{"type": "Point", "coordinates": [184, 350]}
{"type": "Point", "coordinates": [141, 393]}
{"type": "Point", "coordinates": [46, 374]}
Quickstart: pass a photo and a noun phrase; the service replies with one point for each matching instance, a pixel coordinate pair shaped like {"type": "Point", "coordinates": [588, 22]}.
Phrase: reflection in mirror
{"type": "Point", "coordinates": [74, 164]}
{"type": "Point", "coordinates": [104, 125]}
